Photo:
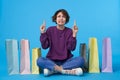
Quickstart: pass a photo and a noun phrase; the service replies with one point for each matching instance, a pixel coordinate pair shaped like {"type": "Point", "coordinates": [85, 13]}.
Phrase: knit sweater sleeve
{"type": "Point", "coordinates": [71, 42]}
{"type": "Point", "coordinates": [44, 39]}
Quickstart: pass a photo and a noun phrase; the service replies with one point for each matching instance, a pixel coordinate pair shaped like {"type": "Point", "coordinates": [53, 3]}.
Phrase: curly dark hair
{"type": "Point", "coordinates": [65, 13]}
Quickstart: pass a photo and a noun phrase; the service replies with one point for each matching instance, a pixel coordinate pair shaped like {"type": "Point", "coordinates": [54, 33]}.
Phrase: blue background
{"type": "Point", "coordinates": [20, 19]}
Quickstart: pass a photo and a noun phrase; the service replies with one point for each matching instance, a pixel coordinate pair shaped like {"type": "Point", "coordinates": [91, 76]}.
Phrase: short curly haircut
{"type": "Point", "coordinates": [65, 13]}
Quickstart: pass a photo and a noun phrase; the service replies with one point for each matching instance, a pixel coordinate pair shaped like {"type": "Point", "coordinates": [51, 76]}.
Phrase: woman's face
{"type": "Point", "coordinates": [60, 19]}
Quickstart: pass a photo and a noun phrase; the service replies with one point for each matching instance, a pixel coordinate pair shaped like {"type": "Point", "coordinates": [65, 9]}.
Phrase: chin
{"type": "Point", "coordinates": [61, 24]}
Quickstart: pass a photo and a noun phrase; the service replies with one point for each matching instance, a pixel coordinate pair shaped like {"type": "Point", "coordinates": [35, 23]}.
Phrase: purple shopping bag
{"type": "Point", "coordinates": [107, 56]}
{"type": "Point", "coordinates": [25, 57]}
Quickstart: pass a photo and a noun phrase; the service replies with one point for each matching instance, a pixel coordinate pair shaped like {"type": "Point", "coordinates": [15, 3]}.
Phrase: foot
{"type": "Point", "coordinates": [47, 72]}
{"type": "Point", "coordinates": [58, 68]}
{"type": "Point", "coordinates": [76, 71]}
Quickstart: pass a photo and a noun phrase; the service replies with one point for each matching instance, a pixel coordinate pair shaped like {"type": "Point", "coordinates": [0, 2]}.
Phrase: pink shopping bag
{"type": "Point", "coordinates": [25, 57]}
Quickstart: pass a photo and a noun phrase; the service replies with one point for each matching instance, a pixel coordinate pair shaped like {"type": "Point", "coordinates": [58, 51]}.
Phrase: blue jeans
{"type": "Point", "coordinates": [66, 64]}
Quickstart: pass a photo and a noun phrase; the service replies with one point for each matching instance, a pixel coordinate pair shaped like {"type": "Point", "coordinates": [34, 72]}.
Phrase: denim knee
{"type": "Point", "coordinates": [39, 61]}
{"type": "Point", "coordinates": [82, 61]}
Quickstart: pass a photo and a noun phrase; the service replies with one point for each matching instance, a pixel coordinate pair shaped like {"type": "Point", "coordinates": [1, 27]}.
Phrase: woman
{"type": "Point", "coordinates": [60, 40]}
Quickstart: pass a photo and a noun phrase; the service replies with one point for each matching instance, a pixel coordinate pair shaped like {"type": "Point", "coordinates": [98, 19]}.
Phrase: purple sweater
{"type": "Point", "coordinates": [59, 42]}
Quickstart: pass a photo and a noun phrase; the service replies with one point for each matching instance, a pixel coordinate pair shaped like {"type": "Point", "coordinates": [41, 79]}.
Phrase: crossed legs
{"type": "Point", "coordinates": [67, 66]}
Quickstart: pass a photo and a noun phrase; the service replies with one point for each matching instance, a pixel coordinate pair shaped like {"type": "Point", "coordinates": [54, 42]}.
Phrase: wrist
{"type": "Point", "coordinates": [74, 34]}
{"type": "Point", "coordinates": [42, 31]}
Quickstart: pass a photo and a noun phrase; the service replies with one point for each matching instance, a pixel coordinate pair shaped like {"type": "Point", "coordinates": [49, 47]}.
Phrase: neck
{"type": "Point", "coordinates": [60, 27]}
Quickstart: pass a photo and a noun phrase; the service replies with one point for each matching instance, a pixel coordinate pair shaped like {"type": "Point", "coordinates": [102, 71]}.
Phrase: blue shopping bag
{"type": "Point", "coordinates": [12, 56]}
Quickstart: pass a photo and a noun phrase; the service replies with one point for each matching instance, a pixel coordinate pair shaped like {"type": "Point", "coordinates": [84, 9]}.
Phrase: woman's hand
{"type": "Point", "coordinates": [75, 29]}
{"type": "Point", "coordinates": [43, 27]}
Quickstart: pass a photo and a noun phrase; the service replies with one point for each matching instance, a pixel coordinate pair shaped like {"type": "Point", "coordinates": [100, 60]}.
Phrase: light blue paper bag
{"type": "Point", "coordinates": [12, 56]}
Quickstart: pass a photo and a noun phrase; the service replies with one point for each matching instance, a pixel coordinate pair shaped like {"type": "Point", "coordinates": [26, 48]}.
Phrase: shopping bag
{"type": "Point", "coordinates": [93, 56]}
{"type": "Point", "coordinates": [84, 54]}
{"type": "Point", "coordinates": [12, 56]}
{"type": "Point", "coordinates": [36, 53]}
{"type": "Point", "coordinates": [107, 55]}
{"type": "Point", "coordinates": [25, 57]}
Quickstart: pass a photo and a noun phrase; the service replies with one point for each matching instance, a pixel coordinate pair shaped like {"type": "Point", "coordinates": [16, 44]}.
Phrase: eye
{"type": "Point", "coordinates": [64, 16]}
{"type": "Point", "coordinates": [59, 16]}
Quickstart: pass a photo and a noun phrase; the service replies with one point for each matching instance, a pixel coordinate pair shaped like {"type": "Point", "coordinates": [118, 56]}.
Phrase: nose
{"type": "Point", "coordinates": [61, 18]}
